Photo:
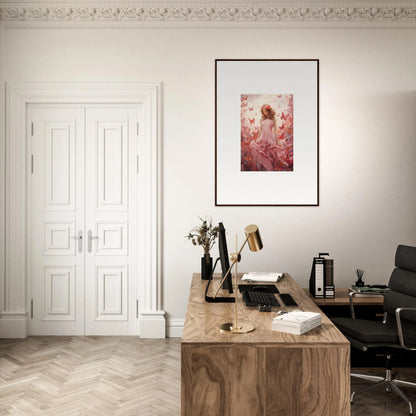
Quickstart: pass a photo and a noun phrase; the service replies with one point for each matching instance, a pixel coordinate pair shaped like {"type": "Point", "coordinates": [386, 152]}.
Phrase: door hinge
{"type": "Point", "coordinates": [32, 128]}
{"type": "Point", "coordinates": [137, 130]}
{"type": "Point", "coordinates": [137, 163]}
{"type": "Point", "coordinates": [137, 308]}
{"type": "Point", "coordinates": [31, 308]}
{"type": "Point", "coordinates": [31, 164]}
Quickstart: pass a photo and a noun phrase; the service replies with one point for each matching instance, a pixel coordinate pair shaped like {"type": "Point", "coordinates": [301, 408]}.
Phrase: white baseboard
{"type": "Point", "coordinates": [175, 328]}
{"type": "Point", "coordinates": [13, 325]}
{"type": "Point", "coordinates": [152, 324]}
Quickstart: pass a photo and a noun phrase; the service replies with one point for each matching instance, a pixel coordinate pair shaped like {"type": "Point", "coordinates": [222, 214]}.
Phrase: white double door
{"type": "Point", "coordinates": [83, 219]}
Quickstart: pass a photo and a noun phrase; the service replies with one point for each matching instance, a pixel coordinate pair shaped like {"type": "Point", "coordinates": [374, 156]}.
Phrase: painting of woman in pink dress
{"type": "Point", "coordinates": [267, 132]}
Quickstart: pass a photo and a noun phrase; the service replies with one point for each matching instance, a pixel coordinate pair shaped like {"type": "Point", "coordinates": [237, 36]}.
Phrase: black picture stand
{"type": "Point", "coordinates": [216, 299]}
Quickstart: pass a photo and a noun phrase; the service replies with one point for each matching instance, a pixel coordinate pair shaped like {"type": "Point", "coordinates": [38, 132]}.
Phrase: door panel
{"type": "Point", "coordinates": [112, 239]}
{"type": "Point", "coordinates": [111, 221]}
{"type": "Point", "coordinates": [59, 293]}
{"type": "Point", "coordinates": [56, 269]}
{"type": "Point", "coordinates": [60, 165]}
{"type": "Point", "coordinates": [112, 302]}
{"type": "Point", "coordinates": [58, 238]}
{"type": "Point", "coordinates": [112, 165]}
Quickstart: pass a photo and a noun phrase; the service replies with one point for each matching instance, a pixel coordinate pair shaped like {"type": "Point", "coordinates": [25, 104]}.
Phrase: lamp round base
{"type": "Point", "coordinates": [241, 329]}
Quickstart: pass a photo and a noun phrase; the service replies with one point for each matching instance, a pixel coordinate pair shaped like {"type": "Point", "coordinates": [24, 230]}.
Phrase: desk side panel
{"type": "Point", "coordinates": [222, 380]}
{"type": "Point", "coordinates": [326, 381]}
{"type": "Point", "coordinates": [310, 381]}
{"type": "Point", "coordinates": [242, 380]}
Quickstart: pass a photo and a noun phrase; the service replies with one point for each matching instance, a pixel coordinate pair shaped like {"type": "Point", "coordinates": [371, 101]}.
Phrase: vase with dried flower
{"type": "Point", "coordinates": [204, 235]}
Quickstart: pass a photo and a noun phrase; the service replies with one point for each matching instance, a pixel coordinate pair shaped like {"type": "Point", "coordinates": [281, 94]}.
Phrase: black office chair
{"type": "Point", "coordinates": [398, 329]}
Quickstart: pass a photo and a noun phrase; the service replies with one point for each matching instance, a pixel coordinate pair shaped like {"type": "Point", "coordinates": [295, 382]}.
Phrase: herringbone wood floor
{"type": "Point", "coordinates": [119, 376]}
{"type": "Point", "coordinates": [89, 376]}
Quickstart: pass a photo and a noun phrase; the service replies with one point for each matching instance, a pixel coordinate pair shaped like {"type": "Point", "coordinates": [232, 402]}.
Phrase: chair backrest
{"type": "Point", "coordinates": [402, 284]}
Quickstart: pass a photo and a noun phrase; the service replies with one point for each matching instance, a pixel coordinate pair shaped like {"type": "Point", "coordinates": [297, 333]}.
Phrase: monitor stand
{"type": "Point", "coordinates": [216, 299]}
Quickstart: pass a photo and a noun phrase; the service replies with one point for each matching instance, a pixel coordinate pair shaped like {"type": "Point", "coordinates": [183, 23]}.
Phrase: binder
{"type": "Point", "coordinates": [321, 281]}
{"type": "Point", "coordinates": [329, 278]}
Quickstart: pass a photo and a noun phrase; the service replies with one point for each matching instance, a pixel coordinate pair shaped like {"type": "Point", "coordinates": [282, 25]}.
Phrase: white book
{"type": "Point", "coordinates": [296, 322]}
{"type": "Point", "coordinates": [262, 277]}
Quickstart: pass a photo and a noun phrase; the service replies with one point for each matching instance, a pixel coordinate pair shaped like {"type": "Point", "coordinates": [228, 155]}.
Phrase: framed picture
{"type": "Point", "coordinates": [266, 132]}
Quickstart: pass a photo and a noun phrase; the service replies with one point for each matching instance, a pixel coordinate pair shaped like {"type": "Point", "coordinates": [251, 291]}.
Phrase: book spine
{"type": "Point", "coordinates": [329, 279]}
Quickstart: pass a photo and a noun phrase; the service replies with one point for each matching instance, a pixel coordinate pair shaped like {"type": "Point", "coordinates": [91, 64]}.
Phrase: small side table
{"type": "Point", "coordinates": [366, 306]}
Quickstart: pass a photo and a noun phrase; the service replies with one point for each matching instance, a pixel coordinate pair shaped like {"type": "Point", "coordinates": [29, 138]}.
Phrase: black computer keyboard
{"type": "Point", "coordinates": [259, 298]}
{"type": "Point", "coordinates": [287, 299]}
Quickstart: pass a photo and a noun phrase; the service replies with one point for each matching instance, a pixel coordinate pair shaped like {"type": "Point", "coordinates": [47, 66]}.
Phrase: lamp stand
{"type": "Point", "coordinates": [235, 327]}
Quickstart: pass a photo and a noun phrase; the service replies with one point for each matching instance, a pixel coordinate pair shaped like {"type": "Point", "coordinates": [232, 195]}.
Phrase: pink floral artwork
{"type": "Point", "coordinates": [267, 132]}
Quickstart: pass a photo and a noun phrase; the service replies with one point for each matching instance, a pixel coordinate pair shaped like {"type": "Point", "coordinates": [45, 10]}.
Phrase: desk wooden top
{"type": "Point", "coordinates": [203, 319]}
{"type": "Point", "coordinates": [342, 299]}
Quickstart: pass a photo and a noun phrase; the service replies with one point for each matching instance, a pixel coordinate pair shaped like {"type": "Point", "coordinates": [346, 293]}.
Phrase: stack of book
{"type": "Point", "coordinates": [296, 322]}
{"type": "Point", "coordinates": [369, 289]}
{"type": "Point", "coordinates": [363, 291]}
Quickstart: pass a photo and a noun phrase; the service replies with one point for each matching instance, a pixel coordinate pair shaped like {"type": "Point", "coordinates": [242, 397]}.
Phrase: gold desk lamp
{"type": "Point", "coordinates": [253, 239]}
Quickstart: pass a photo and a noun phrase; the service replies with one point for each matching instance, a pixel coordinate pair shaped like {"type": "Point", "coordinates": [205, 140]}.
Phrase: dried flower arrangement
{"type": "Point", "coordinates": [204, 235]}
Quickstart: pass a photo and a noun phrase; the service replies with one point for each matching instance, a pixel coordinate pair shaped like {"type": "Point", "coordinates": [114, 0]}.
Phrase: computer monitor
{"type": "Point", "coordinates": [225, 265]}
{"type": "Point", "coordinates": [225, 262]}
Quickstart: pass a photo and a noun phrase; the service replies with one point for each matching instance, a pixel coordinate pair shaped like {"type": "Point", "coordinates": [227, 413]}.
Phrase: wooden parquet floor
{"type": "Point", "coordinates": [377, 401]}
{"type": "Point", "coordinates": [90, 376]}
{"type": "Point", "coordinates": [121, 376]}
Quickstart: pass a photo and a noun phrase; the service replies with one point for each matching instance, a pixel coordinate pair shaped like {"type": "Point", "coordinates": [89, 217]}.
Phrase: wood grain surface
{"type": "Point", "coordinates": [264, 372]}
{"type": "Point", "coordinates": [203, 318]}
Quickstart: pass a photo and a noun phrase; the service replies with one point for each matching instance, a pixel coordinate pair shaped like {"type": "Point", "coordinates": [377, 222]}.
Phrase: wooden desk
{"type": "Point", "coordinates": [264, 372]}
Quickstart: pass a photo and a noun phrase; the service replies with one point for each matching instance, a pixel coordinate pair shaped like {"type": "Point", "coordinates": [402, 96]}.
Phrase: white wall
{"type": "Point", "coordinates": [367, 134]}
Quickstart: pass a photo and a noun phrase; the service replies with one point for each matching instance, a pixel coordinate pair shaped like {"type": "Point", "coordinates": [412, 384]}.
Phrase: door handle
{"type": "Point", "coordinates": [79, 238]}
{"type": "Point", "coordinates": [90, 237]}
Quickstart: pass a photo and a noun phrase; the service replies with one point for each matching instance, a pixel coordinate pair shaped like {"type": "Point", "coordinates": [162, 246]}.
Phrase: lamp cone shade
{"type": "Point", "coordinates": [253, 237]}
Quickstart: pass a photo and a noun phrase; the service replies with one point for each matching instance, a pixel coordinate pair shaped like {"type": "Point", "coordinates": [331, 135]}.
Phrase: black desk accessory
{"type": "Point", "coordinates": [287, 299]}
{"type": "Point", "coordinates": [265, 308]}
{"type": "Point", "coordinates": [259, 298]}
{"type": "Point", "coordinates": [216, 299]}
{"type": "Point", "coordinates": [267, 288]}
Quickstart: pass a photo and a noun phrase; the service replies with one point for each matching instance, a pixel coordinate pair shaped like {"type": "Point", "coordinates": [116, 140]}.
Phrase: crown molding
{"type": "Point", "coordinates": [207, 13]}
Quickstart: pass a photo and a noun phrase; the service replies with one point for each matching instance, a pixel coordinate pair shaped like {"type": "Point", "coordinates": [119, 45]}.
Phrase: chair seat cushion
{"type": "Point", "coordinates": [368, 331]}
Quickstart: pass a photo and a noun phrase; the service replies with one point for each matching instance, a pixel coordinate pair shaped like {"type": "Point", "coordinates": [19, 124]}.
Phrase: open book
{"type": "Point", "coordinates": [262, 277]}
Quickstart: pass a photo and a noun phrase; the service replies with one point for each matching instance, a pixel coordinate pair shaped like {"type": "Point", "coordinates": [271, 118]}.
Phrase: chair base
{"type": "Point", "coordinates": [390, 383]}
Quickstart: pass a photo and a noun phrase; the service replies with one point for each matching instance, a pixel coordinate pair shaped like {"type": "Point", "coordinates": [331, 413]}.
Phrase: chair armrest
{"type": "Point", "coordinates": [400, 329]}
{"type": "Point", "coordinates": [352, 294]}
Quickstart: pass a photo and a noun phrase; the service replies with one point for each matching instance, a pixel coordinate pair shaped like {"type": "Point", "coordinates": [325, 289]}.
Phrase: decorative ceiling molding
{"type": "Point", "coordinates": [204, 13]}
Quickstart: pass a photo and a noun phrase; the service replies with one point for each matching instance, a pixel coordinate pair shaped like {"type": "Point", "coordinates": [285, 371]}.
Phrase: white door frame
{"type": "Point", "coordinates": [14, 317]}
